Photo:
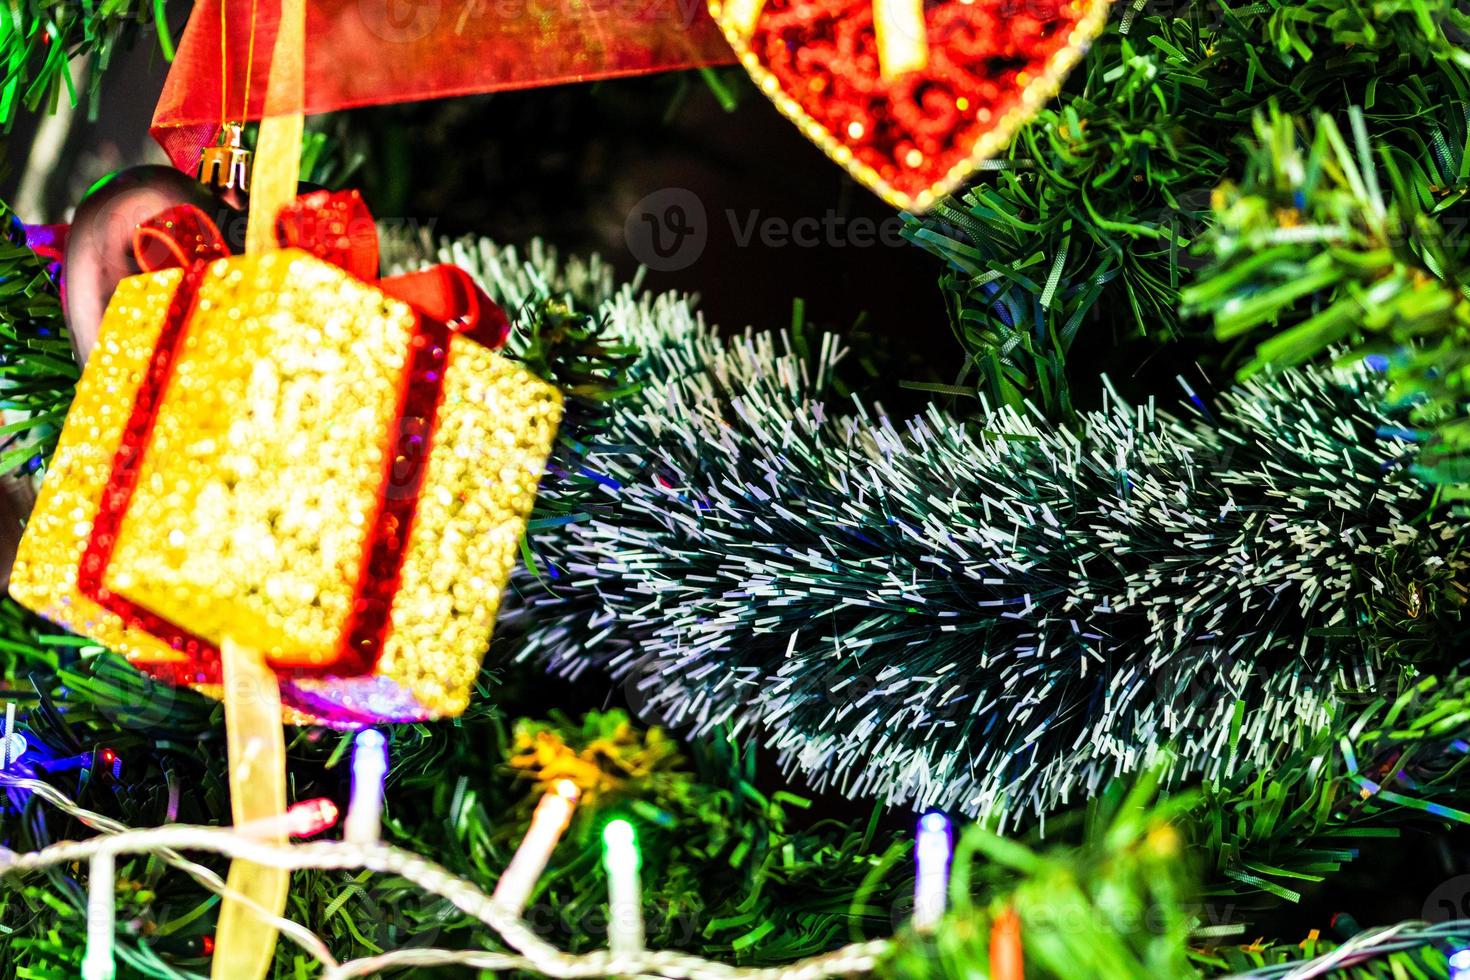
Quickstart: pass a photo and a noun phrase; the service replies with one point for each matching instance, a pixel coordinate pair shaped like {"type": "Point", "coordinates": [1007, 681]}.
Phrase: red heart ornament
{"type": "Point", "coordinates": [910, 96]}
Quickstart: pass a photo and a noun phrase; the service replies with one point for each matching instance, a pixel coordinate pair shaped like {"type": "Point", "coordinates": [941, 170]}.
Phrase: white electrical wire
{"type": "Point", "coordinates": [309, 941]}
{"type": "Point", "coordinates": [535, 954]}
{"type": "Point", "coordinates": [532, 953]}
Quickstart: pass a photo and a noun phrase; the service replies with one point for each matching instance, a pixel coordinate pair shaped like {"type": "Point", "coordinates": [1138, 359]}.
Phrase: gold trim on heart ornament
{"type": "Point", "coordinates": [910, 96]}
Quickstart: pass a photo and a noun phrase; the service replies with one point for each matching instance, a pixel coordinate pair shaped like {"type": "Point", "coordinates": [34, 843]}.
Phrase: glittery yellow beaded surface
{"type": "Point", "coordinates": [262, 474]}
{"type": "Point", "coordinates": [266, 462]}
{"type": "Point", "coordinates": [495, 426]}
{"type": "Point", "coordinates": [50, 553]}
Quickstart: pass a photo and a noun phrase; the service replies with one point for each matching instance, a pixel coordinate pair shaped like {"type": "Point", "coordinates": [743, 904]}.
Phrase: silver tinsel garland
{"type": "Point", "coordinates": [988, 614]}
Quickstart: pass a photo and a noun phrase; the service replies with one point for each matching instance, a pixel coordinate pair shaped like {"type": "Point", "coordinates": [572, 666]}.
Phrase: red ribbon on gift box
{"type": "Point", "coordinates": [336, 228]}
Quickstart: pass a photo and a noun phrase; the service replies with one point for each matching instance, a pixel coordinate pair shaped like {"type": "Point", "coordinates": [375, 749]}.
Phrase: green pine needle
{"type": "Point", "coordinates": [1085, 233]}
{"type": "Point", "coordinates": [39, 39]}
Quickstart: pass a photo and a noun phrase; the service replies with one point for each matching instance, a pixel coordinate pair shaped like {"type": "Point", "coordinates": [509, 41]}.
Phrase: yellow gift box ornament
{"type": "Point", "coordinates": [283, 451]}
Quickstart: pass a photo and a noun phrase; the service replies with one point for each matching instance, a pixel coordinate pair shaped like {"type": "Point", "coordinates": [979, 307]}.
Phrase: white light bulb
{"type": "Point", "coordinates": [369, 769]}
{"type": "Point", "coordinates": [624, 890]}
{"type": "Point", "coordinates": [548, 823]}
{"type": "Point", "coordinates": [932, 852]}
{"type": "Point", "coordinates": [97, 961]}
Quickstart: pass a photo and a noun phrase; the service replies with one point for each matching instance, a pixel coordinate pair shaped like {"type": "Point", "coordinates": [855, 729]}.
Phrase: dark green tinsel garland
{"type": "Point", "coordinates": [988, 615]}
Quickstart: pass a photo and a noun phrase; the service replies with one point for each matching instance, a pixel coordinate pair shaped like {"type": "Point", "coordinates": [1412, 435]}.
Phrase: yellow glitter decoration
{"type": "Point", "coordinates": [611, 754]}
{"type": "Point", "coordinates": [495, 428]}
{"type": "Point", "coordinates": [263, 474]}
{"type": "Point", "coordinates": [50, 554]}
{"type": "Point", "coordinates": [257, 490]}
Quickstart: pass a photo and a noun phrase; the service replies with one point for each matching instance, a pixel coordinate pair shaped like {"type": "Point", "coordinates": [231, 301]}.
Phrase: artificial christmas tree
{"type": "Point", "coordinates": [1169, 619]}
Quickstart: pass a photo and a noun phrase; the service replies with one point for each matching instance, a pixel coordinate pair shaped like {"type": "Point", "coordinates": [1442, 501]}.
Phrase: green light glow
{"type": "Point", "coordinates": [620, 846]}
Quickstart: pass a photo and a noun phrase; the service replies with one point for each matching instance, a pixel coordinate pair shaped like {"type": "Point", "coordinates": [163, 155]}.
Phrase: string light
{"type": "Point", "coordinates": [620, 858]}
{"type": "Point", "coordinates": [309, 941]}
{"type": "Point", "coordinates": [14, 744]}
{"type": "Point", "coordinates": [97, 961]}
{"type": "Point", "coordinates": [535, 954]}
{"type": "Point", "coordinates": [548, 823]}
{"type": "Point", "coordinates": [1007, 951]}
{"type": "Point", "coordinates": [305, 819]}
{"type": "Point", "coordinates": [369, 770]}
{"type": "Point", "coordinates": [531, 952]}
{"type": "Point", "coordinates": [310, 817]}
{"type": "Point", "coordinates": [932, 852]}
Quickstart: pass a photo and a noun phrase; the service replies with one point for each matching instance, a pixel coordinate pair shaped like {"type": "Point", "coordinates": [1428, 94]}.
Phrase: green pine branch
{"type": "Point", "coordinates": [1084, 235]}
{"type": "Point", "coordinates": [1123, 901]}
{"type": "Point", "coordinates": [38, 372]}
{"type": "Point", "coordinates": [40, 38]}
{"type": "Point", "coordinates": [1116, 903]}
{"type": "Point", "coordinates": [1338, 240]}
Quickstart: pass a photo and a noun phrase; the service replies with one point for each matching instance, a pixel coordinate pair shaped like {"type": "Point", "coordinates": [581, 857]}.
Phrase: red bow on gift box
{"type": "Point", "coordinates": [336, 227]}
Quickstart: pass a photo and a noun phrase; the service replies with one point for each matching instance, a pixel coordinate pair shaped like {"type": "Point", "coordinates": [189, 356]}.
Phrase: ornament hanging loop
{"type": "Point", "coordinates": [244, 944]}
{"type": "Point", "coordinates": [899, 28]}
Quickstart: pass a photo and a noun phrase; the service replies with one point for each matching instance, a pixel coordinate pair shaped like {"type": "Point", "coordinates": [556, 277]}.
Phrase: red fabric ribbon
{"type": "Point", "coordinates": [336, 227]}
{"type": "Point", "coordinates": [373, 52]}
{"type": "Point", "coordinates": [176, 239]}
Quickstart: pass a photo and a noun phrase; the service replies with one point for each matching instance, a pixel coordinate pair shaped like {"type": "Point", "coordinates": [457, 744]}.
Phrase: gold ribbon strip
{"type": "Point", "coordinates": [903, 42]}
{"type": "Point", "coordinates": [278, 147]}
{"type": "Point", "coordinates": [245, 942]}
